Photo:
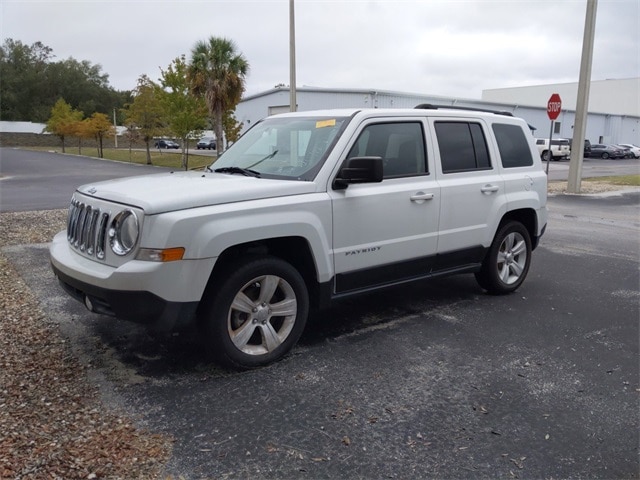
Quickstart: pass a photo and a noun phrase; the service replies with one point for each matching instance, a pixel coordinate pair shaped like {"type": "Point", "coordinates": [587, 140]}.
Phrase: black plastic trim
{"type": "Point", "coordinates": [135, 306]}
{"type": "Point", "coordinates": [370, 279]}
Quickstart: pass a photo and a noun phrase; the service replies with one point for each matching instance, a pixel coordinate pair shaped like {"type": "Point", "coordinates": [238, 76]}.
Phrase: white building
{"type": "Point", "coordinates": [602, 127]}
{"type": "Point", "coordinates": [613, 97]}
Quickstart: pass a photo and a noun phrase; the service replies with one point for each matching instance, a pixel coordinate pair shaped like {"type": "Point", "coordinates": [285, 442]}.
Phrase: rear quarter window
{"type": "Point", "coordinates": [513, 145]}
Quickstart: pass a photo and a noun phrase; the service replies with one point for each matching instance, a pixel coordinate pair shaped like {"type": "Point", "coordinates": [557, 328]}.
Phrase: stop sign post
{"type": "Point", "coordinates": [554, 105]}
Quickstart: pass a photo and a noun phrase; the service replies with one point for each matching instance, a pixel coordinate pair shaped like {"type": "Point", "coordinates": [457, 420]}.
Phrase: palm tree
{"type": "Point", "coordinates": [218, 72]}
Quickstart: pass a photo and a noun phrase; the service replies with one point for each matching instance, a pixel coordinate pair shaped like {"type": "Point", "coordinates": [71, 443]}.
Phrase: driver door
{"type": "Point", "coordinates": [387, 232]}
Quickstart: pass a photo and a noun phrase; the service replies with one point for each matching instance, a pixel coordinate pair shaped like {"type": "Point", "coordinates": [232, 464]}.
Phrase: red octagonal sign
{"type": "Point", "coordinates": [553, 106]}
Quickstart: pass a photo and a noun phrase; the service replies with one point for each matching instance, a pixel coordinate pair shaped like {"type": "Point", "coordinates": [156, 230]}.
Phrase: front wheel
{"type": "Point", "coordinates": [258, 314]}
{"type": "Point", "coordinates": [507, 263]}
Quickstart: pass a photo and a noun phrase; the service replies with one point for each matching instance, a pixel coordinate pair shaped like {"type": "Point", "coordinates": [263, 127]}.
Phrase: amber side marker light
{"type": "Point", "coordinates": [161, 254]}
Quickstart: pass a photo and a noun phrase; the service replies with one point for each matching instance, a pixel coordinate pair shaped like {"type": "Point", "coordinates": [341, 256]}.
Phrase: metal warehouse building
{"type": "Point", "coordinates": [617, 126]}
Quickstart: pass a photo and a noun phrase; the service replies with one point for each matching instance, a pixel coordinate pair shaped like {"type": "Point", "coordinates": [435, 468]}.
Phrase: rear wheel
{"type": "Point", "coordinates": [605, 155]}
{"type": "Point", "coordinates": [258, 313]}
{"type": "Point", "coordinates": [507, 263]}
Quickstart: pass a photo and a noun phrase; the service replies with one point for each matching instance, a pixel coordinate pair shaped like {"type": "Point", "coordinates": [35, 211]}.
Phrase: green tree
{"type": "Point", "coordinates": [217, 73]}
{"type": "Point", "coordinates": [145, 114]}
{"type": "Point", "coordinates": [186, 113]}
{"type": "Point", "coordinates": [63, 121]}
{"type": "Point", "coordinates": [232, 128]}
{"type": "Point", "coordinates": [23, 70]}
{"type": "Point", "coordinates": [31, 83]}
{"type": "Point", "coordinates": [101, 127]}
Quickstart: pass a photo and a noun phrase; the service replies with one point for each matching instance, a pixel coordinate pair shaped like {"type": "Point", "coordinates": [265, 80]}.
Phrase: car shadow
{"type": "Point", "coordinates": [153, 355]}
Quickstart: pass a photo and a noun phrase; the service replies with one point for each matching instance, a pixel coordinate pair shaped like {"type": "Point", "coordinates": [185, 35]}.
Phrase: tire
{"type": "Point", "coordinates": [605, 155]}
{"type": "Point", "coordinates": [258, 313]}
{"type": "Point", "coordinates": [545, 155]}
{"type": "Point", "coordinates": [507, 263]}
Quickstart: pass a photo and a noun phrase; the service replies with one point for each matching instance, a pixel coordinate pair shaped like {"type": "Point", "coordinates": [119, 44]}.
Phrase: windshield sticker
{"type": "Point", "coordinates": [326, 123]}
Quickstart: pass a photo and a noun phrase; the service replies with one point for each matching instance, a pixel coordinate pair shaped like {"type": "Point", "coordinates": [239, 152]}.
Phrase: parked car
{"type": "Point", "coordinates": [635, 150]}
{"type": "Point", "coordinates": [268, 235]}
{"type": "Point", "coordinates": [166, 144]}
{"type": "Point", "coordinates": [560, 148]}
{"type": "Point", "coordinates": [626, 151]}
{"type": "Point", "coordinates": [600, 150]}
{"type": "Point", "coordinates": [206, 143]}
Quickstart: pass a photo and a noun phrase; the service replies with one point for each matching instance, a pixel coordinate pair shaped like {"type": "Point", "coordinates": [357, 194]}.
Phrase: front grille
{"type": "Point", "coordinates": [87, 229]}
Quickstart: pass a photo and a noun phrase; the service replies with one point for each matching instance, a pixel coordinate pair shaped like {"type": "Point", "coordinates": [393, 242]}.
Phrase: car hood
{"type": "Point", "coordinates": [165, 192]}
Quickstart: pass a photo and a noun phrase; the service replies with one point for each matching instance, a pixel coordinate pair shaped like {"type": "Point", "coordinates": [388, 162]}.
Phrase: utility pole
{"type": "Point", "coordinates": [582, 102]}
{"type": "Point", "coordinates": [292, 58]}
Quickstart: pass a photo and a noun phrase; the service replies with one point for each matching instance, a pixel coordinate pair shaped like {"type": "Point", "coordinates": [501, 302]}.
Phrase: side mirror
{"type": "Point", "coordinates": [358, 170]}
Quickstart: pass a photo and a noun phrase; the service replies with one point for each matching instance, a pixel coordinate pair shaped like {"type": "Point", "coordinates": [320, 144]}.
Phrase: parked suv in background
{"type": "Point", "coordinates": [303, 210]}
{"type": "Point", "coordinates": [560, 148]}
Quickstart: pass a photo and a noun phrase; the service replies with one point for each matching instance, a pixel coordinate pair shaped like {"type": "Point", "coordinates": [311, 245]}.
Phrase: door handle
{"type": "Point", "coordinates": [489, 188]}
{"type": "Point", "coordinates": [421, 197]}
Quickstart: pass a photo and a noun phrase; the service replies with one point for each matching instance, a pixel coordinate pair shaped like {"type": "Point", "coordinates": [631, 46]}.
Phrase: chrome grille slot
{"type": "Point", "coordinates": [102, 236]}
{"type": "Point", "coordinates": [78, 230]}
{"type": "Point", "coordinates": [87, 229]}
{"type": "Point", "coordinates": [84, 230]}
{"type": "Point", "coordinates": [91, 237]}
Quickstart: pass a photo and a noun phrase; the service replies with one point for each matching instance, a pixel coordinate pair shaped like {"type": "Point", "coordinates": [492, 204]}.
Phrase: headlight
{"type": "Point", "coordinates": [123, 232]}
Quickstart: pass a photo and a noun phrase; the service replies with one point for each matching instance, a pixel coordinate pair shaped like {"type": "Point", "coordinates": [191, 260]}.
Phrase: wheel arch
{"type": "Point", "coordinates": [294, 250]}
{"type": "Point", "coordinates": [528, 218]}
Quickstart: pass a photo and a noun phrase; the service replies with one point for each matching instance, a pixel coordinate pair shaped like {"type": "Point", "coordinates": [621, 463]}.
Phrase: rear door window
{"type": "Point", "coordinates": [462, 146]}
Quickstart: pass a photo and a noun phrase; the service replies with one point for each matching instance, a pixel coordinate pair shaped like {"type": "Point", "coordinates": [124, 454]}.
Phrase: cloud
{"type": "Point", "coordinates": [452, 47]}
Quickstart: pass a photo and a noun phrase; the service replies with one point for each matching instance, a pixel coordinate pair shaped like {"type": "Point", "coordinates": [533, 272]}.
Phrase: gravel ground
{"type": "Point", "coordinates": [52, 420]}
{"type": "Point", "coordinates": [53, 423]}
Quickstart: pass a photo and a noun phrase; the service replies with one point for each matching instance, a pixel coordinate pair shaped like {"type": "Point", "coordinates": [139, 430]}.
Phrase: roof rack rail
{"type": "Point", "coordinates": [429, 106]}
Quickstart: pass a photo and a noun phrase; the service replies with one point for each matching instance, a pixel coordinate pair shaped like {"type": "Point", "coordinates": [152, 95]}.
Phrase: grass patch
{"type": "Point", "coordinates": [630, 180]}
{"type": "Point", "coordinates": [161, 158]}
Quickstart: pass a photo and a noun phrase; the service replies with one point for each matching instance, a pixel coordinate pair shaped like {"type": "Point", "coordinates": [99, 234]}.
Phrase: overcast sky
{"type": "Point", "coordinates": [437, 47]}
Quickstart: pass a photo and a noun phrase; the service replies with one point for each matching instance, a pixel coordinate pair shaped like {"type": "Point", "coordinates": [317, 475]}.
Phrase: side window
{"type": "Point", "coordinates": [401, 146]}
{"type": "Point", "coordinates": [462, 146]}
{"type": "Point", "coordinates": [513, 145]}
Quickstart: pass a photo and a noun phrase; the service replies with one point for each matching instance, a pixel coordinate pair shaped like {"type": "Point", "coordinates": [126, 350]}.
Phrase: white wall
{"type": "Point", "coordinates": [605, 127]}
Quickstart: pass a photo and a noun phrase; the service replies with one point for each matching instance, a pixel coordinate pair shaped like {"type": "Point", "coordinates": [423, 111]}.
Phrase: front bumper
{"type": "Point", "coordinates": [161, 295]}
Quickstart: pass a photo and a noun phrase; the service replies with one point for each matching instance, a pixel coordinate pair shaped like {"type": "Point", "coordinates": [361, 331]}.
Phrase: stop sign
{"type": "Point", "coordinates": [553, 106]}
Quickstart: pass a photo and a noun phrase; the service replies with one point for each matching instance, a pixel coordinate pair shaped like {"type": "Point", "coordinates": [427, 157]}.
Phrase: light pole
{"type": "Point", "coordinates": [292, 58]}
{"type": "Point", "coordinates": [582, 102]}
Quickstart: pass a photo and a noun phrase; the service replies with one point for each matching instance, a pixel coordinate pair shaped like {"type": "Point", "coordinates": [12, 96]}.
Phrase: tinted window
{"type": "Point", "coordinates": [401, 146]}
{"type": "Point", "coordinates": [513, 145]}
{"type": "Point", "coordinates": [462, 146]}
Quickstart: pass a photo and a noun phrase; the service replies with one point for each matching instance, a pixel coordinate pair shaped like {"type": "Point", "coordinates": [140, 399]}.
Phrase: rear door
{"type": "Point", "coordinates": [471, 189]}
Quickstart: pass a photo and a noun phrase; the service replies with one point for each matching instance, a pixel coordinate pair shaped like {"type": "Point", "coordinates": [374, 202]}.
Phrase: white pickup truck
{"type": "Point", "coordinates": [307, 208]}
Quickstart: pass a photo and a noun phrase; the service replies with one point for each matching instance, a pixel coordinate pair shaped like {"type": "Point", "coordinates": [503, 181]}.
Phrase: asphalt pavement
{"type": "Point", "coordinates": [436, 380]}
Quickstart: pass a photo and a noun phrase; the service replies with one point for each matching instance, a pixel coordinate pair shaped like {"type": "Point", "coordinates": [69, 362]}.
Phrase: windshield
{"type": "Point", "coordinates": [282, 147]}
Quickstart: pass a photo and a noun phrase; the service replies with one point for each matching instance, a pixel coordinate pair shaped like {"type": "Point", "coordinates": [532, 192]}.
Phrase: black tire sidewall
{"type": "Point", "coordinates": [215, 314]}
{"type": "Point", "coordinates": [488, 277]}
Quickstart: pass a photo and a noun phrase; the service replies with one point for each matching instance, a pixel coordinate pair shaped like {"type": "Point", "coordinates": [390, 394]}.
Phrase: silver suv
{"type": "Point", "coordinates": [303, 210]}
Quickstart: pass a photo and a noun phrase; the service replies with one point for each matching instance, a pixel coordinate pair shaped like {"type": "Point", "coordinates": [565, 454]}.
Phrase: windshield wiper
{"type": "Point", "coordinates": [243, 171]}
{"type": "Point", "coordinates": [271, 155]}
